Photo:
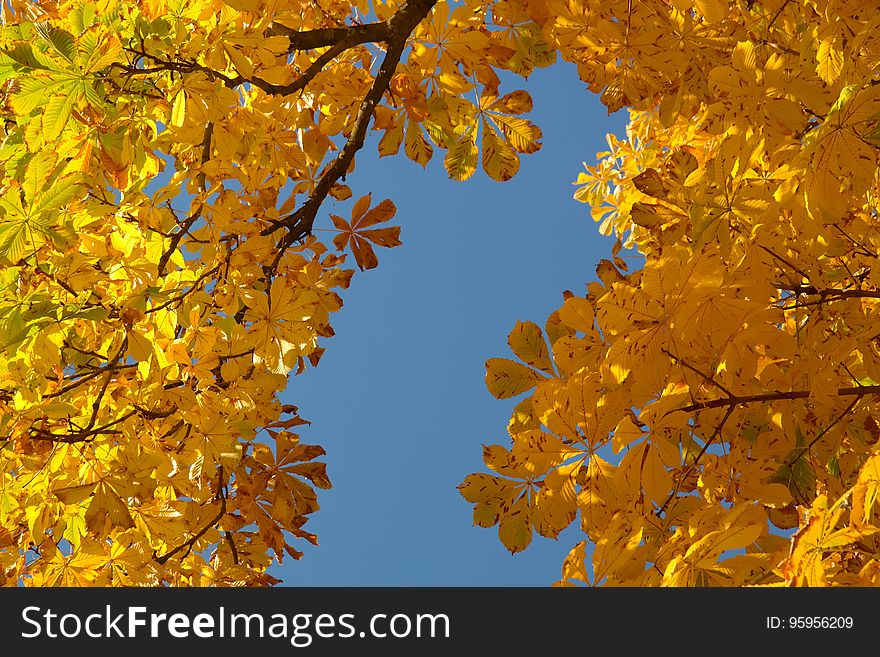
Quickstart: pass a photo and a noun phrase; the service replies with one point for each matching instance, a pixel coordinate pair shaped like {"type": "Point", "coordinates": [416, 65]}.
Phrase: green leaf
{"type": "Point", "coordinates": [34, 91]}
{"type": "Point", "coordinates": [39, 170]}
{"type": "Point", "coordinates": [13, 327]}
{"type": "Point", "coordinates": [14, 238]}
{"type": "Point", "coordinates": [59, 195]}
{"type": "Point", "coordinates": [92, 313]}
{"type": "Point", "coordinates": [797, 473]}
{"type": "Point", "coordinates": [97, 54]}
{"type": "Point", "coordinates": [60, 41]}
{"type": "Point", "coordinates": [833, 467]}
{"type": "Point", "coordinates": [58, 111]}
{"type": "Point", "coordinates": [93, 96]}
{"type": "Point", "coordinates": [12, 211]}
{"type": "Point", "coordinates": [82, 17]}
{"type": "Point", "coordinates": [24, 59]}
{"type": "Point", "coordinates": [8, 277]}
{"type": "Point", "coordinates": [86, 45]}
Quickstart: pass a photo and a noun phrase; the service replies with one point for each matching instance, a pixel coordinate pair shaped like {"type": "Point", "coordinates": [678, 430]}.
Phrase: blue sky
{"type": "Point", "coordinates": [398, 401]}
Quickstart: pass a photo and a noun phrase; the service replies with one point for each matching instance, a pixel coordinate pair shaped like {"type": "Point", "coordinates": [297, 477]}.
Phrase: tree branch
{"type": "Point", "coordinates": [706, 377]}
{"type": "Point", "coordinates": [183, 295]}
{"type": "Point", "coordinates": [299, 224]}
{"type": "Point", "coordinates": [321, 38]}
{"type": "Point", "coordinates": [715, 434]}
{"type": "Point", "coordinates": [859, 391]}
{"type": "Point", "coordinates": [824, 431]}
{"type": "Point", "coordinates": [784, 261]}
{"type": "Point", "coordinates": [829, 294]}
{"type": "Point", "coordinates": [221, 496]}
{"type": "Point", "coordinates": [175, 240]}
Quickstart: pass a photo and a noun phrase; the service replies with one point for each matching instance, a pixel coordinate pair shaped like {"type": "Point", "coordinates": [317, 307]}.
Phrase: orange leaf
{"type": "Point", "coordinates": [361, 217]}
{"type": "Point", "coordinates": [387, 237]}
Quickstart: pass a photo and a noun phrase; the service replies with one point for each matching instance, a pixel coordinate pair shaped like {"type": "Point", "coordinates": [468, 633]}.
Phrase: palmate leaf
{"type": "Point", "coordinates": [107, 507]}
{"type": "Point", "coordinates": [843, 162]}
{"type": "Point", "coordinates": [206, 340]}
{"type": "Point", "coordinates": [358, 236]}
{"type": "Point", "coordinates": [23, 233]}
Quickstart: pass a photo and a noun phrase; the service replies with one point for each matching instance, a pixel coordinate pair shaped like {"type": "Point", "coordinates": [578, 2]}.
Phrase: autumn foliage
{"type": "Point", "coordinates": [707, 418]}
{"type": "Point", "coordinates": [710, 418]}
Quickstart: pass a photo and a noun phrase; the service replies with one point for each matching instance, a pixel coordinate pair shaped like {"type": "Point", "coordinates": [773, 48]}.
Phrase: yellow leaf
{"type": "Point", "coordinates": [514, 529]}
{"type": "Point", "coordinates": [650, 215]}
{"type": "Point", "coordinates": [649, 182]}
{"type": "Point", "coordinates": [506, 378]}
{"type": "Point", "coordinates": [555, 505]}
{"type": "Point", "coordinates": [527, 341]}
{"type": "Point", "coordinates": [516, 102]}
{"type": "Point", "coordinates": [279, 75]}
{"type": "Point", "coordinates": [523, 135]}
{"type": "Point", "coordinates": [625, 432]}
{"type": "Point", "coordinates": [240, 63]}
{"type": "Point", "coordinates": [830, 61]}
{"type": "Point", "coordinates": [178, 109]}
{"type": "Point", "coordinates": [714, 11]}
{"type": "Point", "coordinates": [617, 545]}
{"type": "Point", "coordinates": [461, 158]}
{"type": "Point", "coordinates": [577, 313]}
{"type": "Point", "coordinates": [107, 510]}
{"type": "Point", "coordinates": [416, 146]}
{"type": "Point", "coordinates": [252, 6]}
{"type": "Point", "coordinates": [745, 57]}
{"type": "Point", "coordinates": [500, 162]}
{"type": "Point", "coordinates": [574, 565]}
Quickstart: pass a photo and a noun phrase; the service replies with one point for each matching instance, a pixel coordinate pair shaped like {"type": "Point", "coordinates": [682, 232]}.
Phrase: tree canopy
{"type": "Point", "coordinates": [710, 418]}
{"type": "Point", "coordinates": [707, 418]}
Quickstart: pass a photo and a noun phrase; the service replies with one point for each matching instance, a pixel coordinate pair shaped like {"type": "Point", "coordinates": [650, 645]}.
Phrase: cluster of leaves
{"type": "Point", "coordinates": [163, 164]}
{"type": "Point", "coordinates": [708, 417]}
{"type": "Point", "coordinates": [711, 417]}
